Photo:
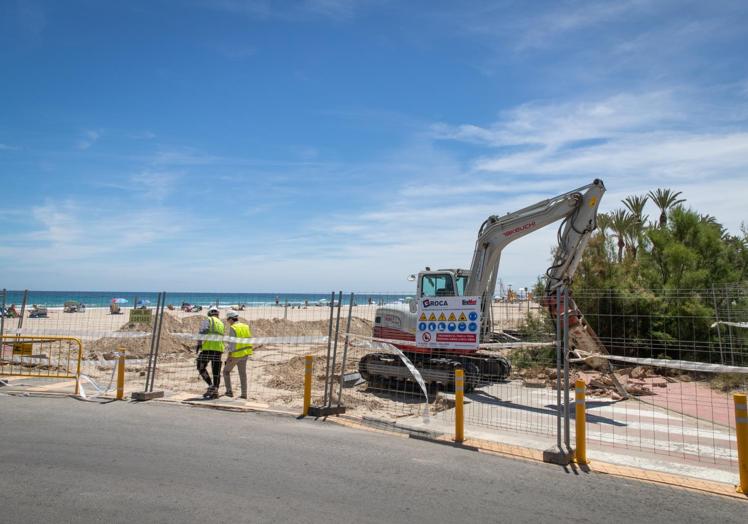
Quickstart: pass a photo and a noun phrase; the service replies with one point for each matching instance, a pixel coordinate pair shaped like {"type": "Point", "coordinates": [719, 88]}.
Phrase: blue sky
{"type": "Point", "coordinates": [241, 145]}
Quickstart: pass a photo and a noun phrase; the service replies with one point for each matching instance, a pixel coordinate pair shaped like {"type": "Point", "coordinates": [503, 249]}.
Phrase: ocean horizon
{"type": "Point", "coordinates": [104, 298]}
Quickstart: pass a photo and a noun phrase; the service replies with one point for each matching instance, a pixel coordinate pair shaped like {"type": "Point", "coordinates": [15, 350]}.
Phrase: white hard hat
{"type": "Point", "coordinates": [232, 314]}
{"type": "Point", "coordinates": [212, 309]}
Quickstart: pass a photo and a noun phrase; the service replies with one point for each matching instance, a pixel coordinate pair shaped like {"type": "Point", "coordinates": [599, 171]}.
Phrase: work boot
{"type": "Point", "coordinates": [215, 394]}
{"type": "Point", "coordinates": [229, 393]}
{"type": "Point", "coordinates": [243, 396]}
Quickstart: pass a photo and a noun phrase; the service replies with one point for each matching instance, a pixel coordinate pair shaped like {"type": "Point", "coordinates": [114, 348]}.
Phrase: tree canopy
{"type": "Point", "coordinates": [658, 285]}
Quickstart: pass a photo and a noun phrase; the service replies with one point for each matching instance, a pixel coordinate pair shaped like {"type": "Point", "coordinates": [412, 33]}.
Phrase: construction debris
{"type": "Point", "coordinates": [637, 381]}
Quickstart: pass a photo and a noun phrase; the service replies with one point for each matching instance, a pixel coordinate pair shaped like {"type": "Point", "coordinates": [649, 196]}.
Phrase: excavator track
{"type": "Point", "coordinates": [437, 372]}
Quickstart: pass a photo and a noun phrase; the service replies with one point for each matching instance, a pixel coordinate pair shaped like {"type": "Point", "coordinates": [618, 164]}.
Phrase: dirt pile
{"type": "Point", "coordinates": [274, 327]}
{"type": "Point", "coordinates": [139, 347]}
{"type": "Point", "coordinates": [289, 375]}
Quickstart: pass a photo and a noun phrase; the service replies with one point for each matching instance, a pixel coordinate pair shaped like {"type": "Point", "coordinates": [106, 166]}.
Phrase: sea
{"type": "Point", "coordinates": [104, 298]}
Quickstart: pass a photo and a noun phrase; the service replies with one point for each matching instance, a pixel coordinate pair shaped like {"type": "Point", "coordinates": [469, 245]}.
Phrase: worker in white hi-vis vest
{"type": "Point", "coordinates": [239, 353]}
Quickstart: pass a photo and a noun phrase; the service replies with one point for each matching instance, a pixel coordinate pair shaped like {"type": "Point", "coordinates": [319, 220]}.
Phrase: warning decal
{"type": "Point", "coordinates": [443, 323]}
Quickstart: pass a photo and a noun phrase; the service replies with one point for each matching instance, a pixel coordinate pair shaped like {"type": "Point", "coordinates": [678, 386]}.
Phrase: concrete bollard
{"type": "Point", "coordinates": [307, 384]}
{"type": "Point", "coordinates": [741, 431]}
{"type": "Point", "coordinates": [121, 375]}
{"type": "Point", "coordinates": [580, 454]}
{"type": "Point", "coordinates": [459, 413]}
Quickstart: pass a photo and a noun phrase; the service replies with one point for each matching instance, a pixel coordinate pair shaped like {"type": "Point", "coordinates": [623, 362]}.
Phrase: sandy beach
{"type": "Point", "coordinates": [96, 323]}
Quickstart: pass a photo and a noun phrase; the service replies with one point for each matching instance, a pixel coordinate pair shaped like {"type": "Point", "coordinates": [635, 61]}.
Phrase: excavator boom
{"type": "Point", "coordinates": [577, 209]}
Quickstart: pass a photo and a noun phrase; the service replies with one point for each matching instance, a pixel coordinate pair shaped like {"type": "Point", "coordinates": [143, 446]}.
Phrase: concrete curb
{"type": "Point", "coordinates": [714, 488]}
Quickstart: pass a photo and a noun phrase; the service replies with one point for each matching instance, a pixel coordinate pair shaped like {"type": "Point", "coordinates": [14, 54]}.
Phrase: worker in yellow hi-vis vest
{"type": "Point", "coordinates": [210, 351]}
{"type": "Point", "coordinates": [239, 353]}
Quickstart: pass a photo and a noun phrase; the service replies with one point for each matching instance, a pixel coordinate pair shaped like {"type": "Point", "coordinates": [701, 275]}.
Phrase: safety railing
{"type": "Point", "coordinates": [41, 357]}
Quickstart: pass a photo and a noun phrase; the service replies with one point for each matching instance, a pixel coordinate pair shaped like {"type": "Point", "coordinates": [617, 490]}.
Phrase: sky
{"type": "Point", "coordinates": [306, 146]}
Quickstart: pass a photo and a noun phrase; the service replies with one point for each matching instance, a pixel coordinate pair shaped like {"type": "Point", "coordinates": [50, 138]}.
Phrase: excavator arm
{"type": "Point", "coordinates": [578, 211]}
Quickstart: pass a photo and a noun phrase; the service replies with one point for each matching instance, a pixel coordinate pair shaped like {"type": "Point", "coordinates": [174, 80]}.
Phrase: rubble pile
{"type": "Point", "coordinates": [638, 381]}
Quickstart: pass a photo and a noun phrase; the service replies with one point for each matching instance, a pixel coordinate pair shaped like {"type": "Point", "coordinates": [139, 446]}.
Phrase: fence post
{"type": "Point", "coordinates": [307, 385]}
{"type": "Point", "coordinates": [23, 310]}
{"type": "Point", "coordinates": [580, 455]}
{"type": "Point", "coordinates": [459, 414]}
{"type": "Point", "coordinates": [328, 380]}
{"type": "Point", "coordinates": [559, 348]}
{"type": "Point", "coordinates": [159, 319]}
{"type": "Point", "coordinates": [345, 348]}
{"type": "Point", "coordinates": [121, 375]}
{"type": "Point", "coordinates": [741, 431]}
{"type": "Point", "coordinates": [566, 370]}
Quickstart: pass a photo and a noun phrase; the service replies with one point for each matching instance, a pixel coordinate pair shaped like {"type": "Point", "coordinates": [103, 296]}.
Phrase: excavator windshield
{"type": "Point", "coordinates": [437, 285]}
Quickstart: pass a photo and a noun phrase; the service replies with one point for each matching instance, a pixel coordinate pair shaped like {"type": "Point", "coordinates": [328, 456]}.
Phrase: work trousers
{"type": "Point", "coordinates": [214, 358]}
{"type": "Point", "coordinates": [241, 363]}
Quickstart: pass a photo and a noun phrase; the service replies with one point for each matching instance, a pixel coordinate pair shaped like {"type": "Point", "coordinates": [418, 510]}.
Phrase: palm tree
{"type": "Point", "coordinates": [603, 223]}
{"type": "Point", "coordinates": [665, 200]}
{"type": "Point", "coordinates": [636, 204]}
{"type": "Point", "coordinates": [620, 223]}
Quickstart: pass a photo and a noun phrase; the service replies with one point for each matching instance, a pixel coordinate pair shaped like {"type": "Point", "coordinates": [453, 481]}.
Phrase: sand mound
{"type": "Point", "coordinates": [140, 347]}
{"type": "Point", "coordinates": [275, 327]}
{"type": "Point", "coordinates": [170, 344]}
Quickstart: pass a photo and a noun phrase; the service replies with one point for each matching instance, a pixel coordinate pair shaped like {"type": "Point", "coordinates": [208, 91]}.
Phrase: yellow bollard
{"type": "Point", "coordinates": [459, 415]}
{"type": "Point", "coordinates": [741, 431]}
{"type": "Point", "coordinates": [121, 375]}
{"type": "Point", "coordinates": [307, 384]}
{"type": "Point", "coordinates": [580, 454]}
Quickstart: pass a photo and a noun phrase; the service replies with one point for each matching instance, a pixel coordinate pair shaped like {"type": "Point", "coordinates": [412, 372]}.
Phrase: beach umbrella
{"type": "Point", "coordinates": [119, 301]}
{"type": "Point", "coordinates": [143, 302]}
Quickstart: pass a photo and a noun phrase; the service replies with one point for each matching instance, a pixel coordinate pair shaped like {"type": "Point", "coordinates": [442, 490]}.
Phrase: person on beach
{"type": "Point", "coordinates": [209, 352]}
{"type": "Point", "coordinates": [239, 353]}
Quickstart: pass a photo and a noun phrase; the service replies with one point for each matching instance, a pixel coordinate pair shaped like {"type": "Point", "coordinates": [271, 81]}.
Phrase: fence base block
{"type": "Point", "coordinates": [146, 395]}
{"type": "Point", "coordinates": [556, 455]}
{"type": "Point", "coordinates": [324, 411]}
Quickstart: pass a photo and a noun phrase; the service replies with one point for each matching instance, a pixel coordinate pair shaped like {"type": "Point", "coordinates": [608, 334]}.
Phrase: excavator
{"type": "Point", "coordinates": [396, 324]}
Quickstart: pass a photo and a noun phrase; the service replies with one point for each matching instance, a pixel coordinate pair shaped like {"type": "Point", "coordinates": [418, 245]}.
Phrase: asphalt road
{"type": "Point", "coordinates": [63, 460]}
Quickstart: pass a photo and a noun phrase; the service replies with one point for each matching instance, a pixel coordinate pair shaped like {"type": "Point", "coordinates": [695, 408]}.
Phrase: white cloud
{"type": "Point", "coordinates": [630, 141]}
{"type": "Point", "coordinates": [143, 135]}
{"type": "Point", "coordinates": [544, 29]}
{"type": "Point", "coordinates": [330, 9]}
{"type": "Point", "coordinates": [88, 139]}
{"type": "Point", "coordinates": [155, 185]}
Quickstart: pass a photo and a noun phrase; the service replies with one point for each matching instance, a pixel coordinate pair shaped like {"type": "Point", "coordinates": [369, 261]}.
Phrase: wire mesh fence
{"type": "Point", "coordinates": [680, 355]}
{"type": "Point", "coordinates": [679, 404]}
{"type": "Point", "coordinates": [283, 330]}
{"type": "Point", "coordinates": [103, 323]}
